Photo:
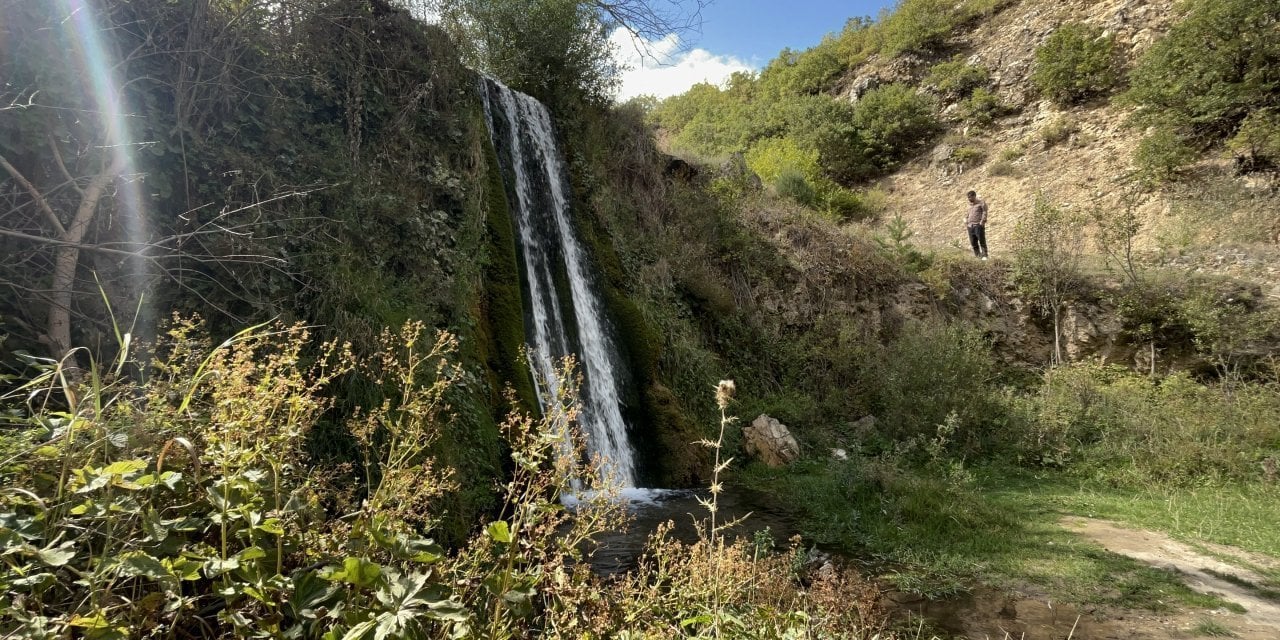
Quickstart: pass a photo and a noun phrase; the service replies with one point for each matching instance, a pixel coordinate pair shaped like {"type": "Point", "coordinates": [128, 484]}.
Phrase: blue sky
{"type": "Point", "coordinates": [756, 30]}
{"type": "Point", "coordinates": [736, 35]}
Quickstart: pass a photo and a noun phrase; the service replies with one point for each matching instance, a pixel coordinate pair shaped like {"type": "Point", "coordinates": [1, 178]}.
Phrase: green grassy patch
{"type": "Point", "coordinates": [938, 532]}
{"type": "Point", "coordinates": [1212, 629]}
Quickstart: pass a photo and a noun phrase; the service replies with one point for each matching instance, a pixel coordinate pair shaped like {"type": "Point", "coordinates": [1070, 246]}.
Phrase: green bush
{"type": "Point", "coordinates": [956, 79]}
{"type": "Point", "coordinates": [793, 185]}
{"type": "Point", "coordinates": [1161, 155]}
{"type": "Point", "coordinates": [801, 72]}
{"type": "Point", "coordinates": [967, 156]}
{"type": "Point", "coordinates": [982, 107]}
{"type": "Point", "coordinates": [1258, 140]}
{"type": "Point", "coordinates": [1075, 63]}
{"type": "Point", "coordinates": [917, 26]}
{"type": "Point", "coordinates": [897, 240]}
{"type": "Point", "coordinates": [1110, 423]}
{"type": "Point", "coordinates": [928, 373]}
{"type": "Point", "coordinates": [769, 158]}
{"type": "Point", "coordinates": [1009, 154]}
{"type": "Point", "coordinates": [1215, 67]}
{"type": "Point", "coordinates": [894, 121]}
{"type": "Point", "coordinates": [846, 205]}
{"type": "Point", "coordinates": [1057, 132]}
{"type": "Point", "coordinates": [1002, 168]}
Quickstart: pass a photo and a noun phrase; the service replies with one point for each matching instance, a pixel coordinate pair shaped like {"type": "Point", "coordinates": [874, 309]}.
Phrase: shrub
{"type": "Point", "coordinates": [1161, 155]}
{"type": "Point", "coordinates": [801, 72]}
{"type": "Point", "coordinates": [928, 373]}
{"type": "Point", "coordinates": [1111, 423]}
{"type": "Point", "coordinates": [894, 121]}
{"type": "Point", "coordinates": [982, 107]}
{"type": "Point", "coordinates": [956, 79]}
{"type": "Point", "coordinates": [193, 493]}
{"type": "Point", "coordinates": [897, 240]}
{"type": "Point", "coordinates": [1257, 142]}
{"type": "Point", "coordinates": [1009, 154]}
{"type": "Point", "coordinates": [917, 26]}
{"type": "Point", "coordinates": [793, 185]}
{"type": "Point", "coordinates": [846, 205]}
{"type": "Point", "coordinates": [1002, 168]}
{"type": "Point", "coordinates": [771, 157]}
{"type": "Point", "coordinates": [1215, 67]}
{"type": "Point", "coordinates": [1075, 63]}
{"type": "Point", "coordinates": [967, 156]}
{"type": "Point", "coordinates": [843, 205]}
{"type": "Point", "coordinates": [1058, 131]}
{"type": "Point", "coordinates": [1048, 242]}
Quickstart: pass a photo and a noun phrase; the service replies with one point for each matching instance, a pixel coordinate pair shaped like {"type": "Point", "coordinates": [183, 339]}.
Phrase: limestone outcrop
{"type": "Point", "coordinates": [770, 442]}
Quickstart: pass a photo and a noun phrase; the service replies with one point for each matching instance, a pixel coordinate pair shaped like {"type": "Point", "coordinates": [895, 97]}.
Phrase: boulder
{"type": "Point", "coordinates": [770, 441]}
{"type": "Point", "coordinates": [861, 85]}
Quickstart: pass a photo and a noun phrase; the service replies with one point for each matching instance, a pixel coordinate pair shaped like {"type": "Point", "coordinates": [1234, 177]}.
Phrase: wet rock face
{"type": "Point", "coordinates": [770, 442]}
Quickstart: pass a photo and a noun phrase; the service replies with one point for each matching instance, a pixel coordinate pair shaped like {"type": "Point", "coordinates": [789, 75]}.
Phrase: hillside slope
{"type": "Point", "coordinates": [1085, 164]}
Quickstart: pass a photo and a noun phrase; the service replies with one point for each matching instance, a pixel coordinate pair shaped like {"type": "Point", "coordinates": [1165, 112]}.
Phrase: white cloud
{"type": "Point", "coordinates": [661, 68]}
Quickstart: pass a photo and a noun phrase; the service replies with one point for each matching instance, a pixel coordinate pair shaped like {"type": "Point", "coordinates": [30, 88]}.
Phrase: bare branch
{"type": "Point", "coordinates": [57, 156]}
{"type": "Point", "coordinates": [35, 195]}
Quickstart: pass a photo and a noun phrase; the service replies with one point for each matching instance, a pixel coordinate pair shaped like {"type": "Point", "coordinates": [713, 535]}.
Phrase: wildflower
{"type": "Point", "coordinates": [724, 393]}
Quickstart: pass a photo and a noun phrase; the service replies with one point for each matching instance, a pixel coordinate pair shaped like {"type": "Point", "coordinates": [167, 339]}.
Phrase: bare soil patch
{"type": "Point", "coordinates": [1028, 614]}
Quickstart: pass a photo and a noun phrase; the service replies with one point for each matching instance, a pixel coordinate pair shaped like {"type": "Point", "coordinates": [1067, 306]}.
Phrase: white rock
{"type": "Point", "coordinates": [770, 441]}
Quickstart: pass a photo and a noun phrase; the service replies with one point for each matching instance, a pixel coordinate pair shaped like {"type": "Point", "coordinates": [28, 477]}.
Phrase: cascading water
{"type": "Point", "coordinates": [553, 260]}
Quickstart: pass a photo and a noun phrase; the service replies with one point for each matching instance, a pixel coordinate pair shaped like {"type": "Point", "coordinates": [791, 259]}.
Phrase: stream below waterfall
{"type": "Point", "coordinates": [619, 551]}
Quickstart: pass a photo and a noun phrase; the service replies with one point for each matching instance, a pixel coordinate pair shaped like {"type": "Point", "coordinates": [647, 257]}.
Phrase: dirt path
{"type": "Point", "coordinates": [1227, 573]}
{"type": "Point", "coordinates": [1024, 614]}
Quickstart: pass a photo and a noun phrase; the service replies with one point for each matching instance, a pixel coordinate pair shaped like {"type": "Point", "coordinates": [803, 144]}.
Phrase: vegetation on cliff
{"type": "Point", "coordinates": [326, 163]}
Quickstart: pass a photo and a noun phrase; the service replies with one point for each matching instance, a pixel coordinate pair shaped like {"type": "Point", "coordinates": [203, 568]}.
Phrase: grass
{"type": "Point", "coordinates": [1212, 629]}
{"type": "Point", "coordinates": [1235, 515]}
{"type": "Point", "coordinates": [1257, 589]}
{"type": "Point", "coordinates": [938, 537]}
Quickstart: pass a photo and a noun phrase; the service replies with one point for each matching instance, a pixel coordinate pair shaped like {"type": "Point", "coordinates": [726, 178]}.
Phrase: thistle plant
{"type": "Point", "coordinates": [725, 391]}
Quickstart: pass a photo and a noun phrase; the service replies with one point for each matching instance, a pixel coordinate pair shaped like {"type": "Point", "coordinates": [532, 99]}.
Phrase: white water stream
{"type": "Point", "coordinates": [558, 322]}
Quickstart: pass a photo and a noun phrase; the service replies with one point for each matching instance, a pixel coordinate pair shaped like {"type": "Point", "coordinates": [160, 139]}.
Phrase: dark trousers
{"type": "Point", "coordinates": [978, 238]}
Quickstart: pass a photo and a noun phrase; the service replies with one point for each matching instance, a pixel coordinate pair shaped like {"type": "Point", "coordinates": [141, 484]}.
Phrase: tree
{"type": "Point", "coordinates": [548, 48]}
{"type": "Point", "coordinates": [105, 104]}
{"type": "Point", "coordinates": [65, 153]}
{"type": "Point", "coordinates": [1048, 243]}
{"type": "Point", "coordinates": [1216, 66]}
{"type": "Point", "coordinates": [1075, 63]}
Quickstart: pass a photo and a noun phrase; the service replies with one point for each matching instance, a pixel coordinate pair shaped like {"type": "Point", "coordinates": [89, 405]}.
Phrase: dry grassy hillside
{"type": "Point", "coordinates": [1211, 220]}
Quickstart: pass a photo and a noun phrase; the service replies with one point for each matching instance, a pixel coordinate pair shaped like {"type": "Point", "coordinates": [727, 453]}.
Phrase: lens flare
{"type": "Point", "coordinates": [86, 35]}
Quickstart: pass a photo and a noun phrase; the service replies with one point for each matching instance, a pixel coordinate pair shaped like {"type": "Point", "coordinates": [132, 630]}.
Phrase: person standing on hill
{"type": "Point", "coordinates": [976, 222]}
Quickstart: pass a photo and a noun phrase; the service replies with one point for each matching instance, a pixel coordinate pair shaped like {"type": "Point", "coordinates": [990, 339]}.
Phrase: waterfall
{"type": "Point", "coordinates": [558, 322]}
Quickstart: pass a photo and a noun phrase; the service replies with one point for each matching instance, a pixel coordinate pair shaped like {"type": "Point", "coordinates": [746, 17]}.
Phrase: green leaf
{"type": "Point", "coordinates": [124, 467]}
{"type": "Point", "coordinates": [184, 568]}
{"type": "Point", "coordinates": [57, 557]}
{"type": "Point", "coordinates": [499, 532]}
{"type": "Point", "coordinates": [142, 564]}
{"type": "Point", "coordinates": [96, 621]}
{"type": "Point", "coordinates": [251, 553]}
{"type": "Point", "coordinates": [696, 620]}
{"type": "Point", "coordinates": [309, 592]}
{"type": "Point", "coordinates": [214, 567]}
{"type": "Point", "coordinates": [272, 526]}
{"type": "Point", "coordinates": [361, 630]}
{"type": "Point", "coordinates": [354, 571]}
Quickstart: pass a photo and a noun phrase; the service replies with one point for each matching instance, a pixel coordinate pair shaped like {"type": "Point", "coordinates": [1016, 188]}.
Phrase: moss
{"type": "Point", "coordinates": [502, 312]}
